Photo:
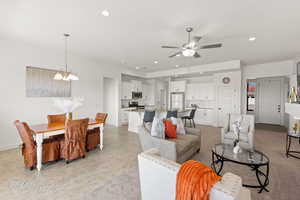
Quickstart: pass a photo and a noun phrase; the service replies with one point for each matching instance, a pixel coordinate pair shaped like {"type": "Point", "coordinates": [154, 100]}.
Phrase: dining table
{"type": "Point", "coordinates": [43, 131]}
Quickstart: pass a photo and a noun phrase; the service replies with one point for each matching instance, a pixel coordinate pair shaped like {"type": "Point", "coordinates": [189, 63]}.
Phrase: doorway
{"type": "Point", "coordinates": [270, 104]}
{"type": "Point", "coordinates": [227, 103]}
{"type": "Point", "coordinates": [110, 100]}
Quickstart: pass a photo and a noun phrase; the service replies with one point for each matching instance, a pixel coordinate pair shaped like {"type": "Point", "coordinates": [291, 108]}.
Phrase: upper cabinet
{"type": "Point", "coordinates": [126, 90]}
{"type": "Point", "coordinates": [200, 91]}
{"type": "Point", "coordinates": [177, 86]}
{"type": "Point", "coordinates": [136, 86]}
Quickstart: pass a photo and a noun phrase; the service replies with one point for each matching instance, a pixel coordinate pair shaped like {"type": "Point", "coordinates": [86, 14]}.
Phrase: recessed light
{"type": "Point", "coordinates": [178, 55]}
{"type": "Point", "coordinates": [176, 66]}
{"type": "Point", "coordinates": [105, 13]}
{"type": "Point", "coordinates": [155, 62]}
{"type": "Point", "coordinates": [200, 72]}
{"type": "Point", "coordinates": [137, 68]}
{"type": "Point", "coordinates": [252, 39]}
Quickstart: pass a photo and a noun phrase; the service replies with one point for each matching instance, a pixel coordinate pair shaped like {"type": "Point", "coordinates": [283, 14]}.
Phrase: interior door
{"type": "Point", "coordinates": [226, 102]}
{"type": "Point", "coordinates": [269, 104]}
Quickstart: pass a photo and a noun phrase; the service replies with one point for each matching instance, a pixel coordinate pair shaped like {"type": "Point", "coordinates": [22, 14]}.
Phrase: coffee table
{"type": "Point", "coordinates": [257, 161]}
{"type": "Point", "coordinates": [289, 137]}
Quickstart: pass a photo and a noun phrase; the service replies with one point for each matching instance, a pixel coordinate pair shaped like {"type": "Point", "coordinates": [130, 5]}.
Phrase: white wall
{"type": "Point", "coordinates": [15, 56]}
{"type": "Point", "coordinates": [110, 100]}
{"type": "Point", "coordinates": [272, 69]}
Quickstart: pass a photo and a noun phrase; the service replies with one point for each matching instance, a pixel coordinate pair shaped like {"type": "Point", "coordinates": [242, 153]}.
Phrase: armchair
{"type": "Point", "coordinates": [246, 134]}
{"type": "Point", "coordinates": [158, 180]}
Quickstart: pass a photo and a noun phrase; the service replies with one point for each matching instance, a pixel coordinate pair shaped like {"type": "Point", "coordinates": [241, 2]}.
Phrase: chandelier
{"type": "Point", "coordinates": [66, 76]}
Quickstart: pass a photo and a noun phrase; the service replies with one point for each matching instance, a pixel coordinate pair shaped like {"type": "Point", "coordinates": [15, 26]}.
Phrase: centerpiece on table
{"type": "Point", "coordinates": [68, 105]}
{"type": "Point", "coordinates": [236, 130]}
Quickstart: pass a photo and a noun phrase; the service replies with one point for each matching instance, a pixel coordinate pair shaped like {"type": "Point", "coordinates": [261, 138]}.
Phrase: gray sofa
{"type": "Point", "coordinates": [179, 150]}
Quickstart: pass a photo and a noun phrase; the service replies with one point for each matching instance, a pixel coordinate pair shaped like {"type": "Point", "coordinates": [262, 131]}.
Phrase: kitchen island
{"type": "Point", "coordinates": [135, 117]}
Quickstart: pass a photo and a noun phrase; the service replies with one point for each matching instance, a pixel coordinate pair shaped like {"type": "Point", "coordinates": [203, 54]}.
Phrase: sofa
{"type": "Point", "coordinates": [179, 150]}
{"type": "Point", "coordinates": [246, 134]}
{"type": "Point", "coordinates": [158, 180]}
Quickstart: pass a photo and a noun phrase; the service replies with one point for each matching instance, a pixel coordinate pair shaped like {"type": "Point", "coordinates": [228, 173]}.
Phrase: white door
{"type": "Point", "coordinates": [227, 102]}
{"type": "Point", "coordinates": [269, 105]}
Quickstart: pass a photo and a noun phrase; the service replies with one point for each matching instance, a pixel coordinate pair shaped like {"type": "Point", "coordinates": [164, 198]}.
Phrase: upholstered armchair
{"type": "Point", "coordinates": [158, 180]}
{"type": "Point", "coordinates": [246, 133]}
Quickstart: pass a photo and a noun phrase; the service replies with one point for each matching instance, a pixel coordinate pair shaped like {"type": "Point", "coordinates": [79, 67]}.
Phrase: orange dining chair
{"type": "Point", "coordinates": [57, 118]}
{"type": "Point", "coordinates": [93, 135]}
{"type": "Point", "coordinates": [50, 146]}
{"type": "Point", "coordinates": [72, 146]}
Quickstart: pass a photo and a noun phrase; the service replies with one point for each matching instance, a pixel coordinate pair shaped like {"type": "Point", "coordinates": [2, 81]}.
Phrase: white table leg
{"type": "Point", "coordinates": [39, 150]}
{"type": "Point", "coordinates": [101, 136]}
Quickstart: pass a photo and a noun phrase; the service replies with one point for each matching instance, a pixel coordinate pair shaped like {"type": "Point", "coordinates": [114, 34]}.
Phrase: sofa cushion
{"type": "Point", "coordinates": [230, 135]}
{"type": "Point", "coordinates": [185, 143]}
{"type": "Point", "coordinates": [158, 129]}
{"type": "Point", "coordinates": [170, 129]}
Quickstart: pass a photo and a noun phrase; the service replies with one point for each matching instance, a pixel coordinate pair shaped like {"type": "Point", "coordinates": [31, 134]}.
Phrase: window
{"type": "Point", "coordinates": [40, 83]}
{"type": "Point", "coordinates": [251, 94]}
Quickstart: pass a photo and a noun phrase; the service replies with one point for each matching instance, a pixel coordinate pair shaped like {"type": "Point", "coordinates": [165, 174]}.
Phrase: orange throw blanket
{"type": "Point", "coordinates": [194, 181]}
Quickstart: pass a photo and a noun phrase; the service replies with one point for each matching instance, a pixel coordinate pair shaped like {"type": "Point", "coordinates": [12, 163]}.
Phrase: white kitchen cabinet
{"type": "Point", "coordinates": [192, 92]}
{"type": "Point", "coordinates": [136, 86]}
{"type": "Point", "coordinates": [177, 86]}
{"type": "Point", "coordinates": [200, 91]}
{"type": "Point", "coordinates": [206, 91]}
{"type": "Point", "coordinates": [126, 90]}
{"type": "Point", "coordinates": [204, 116]}
{"type": "Point", "coordinates": [124, 117]}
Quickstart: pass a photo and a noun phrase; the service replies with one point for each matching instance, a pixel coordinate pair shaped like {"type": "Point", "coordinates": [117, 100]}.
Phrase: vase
{"type": "Point", "coordinates": [237, 148]}
{"type": "Point", "coordinates": [69, 115]}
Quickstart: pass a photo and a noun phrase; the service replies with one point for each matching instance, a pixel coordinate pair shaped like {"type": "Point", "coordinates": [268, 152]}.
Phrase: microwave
{"type": "Point", "coordinates": [137, 95]}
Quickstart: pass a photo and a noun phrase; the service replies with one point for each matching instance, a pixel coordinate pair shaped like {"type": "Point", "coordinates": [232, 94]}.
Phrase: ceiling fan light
{"type": "Point", "coordinates": [188, 52]}
{"type": "Point", "coordinates": [58, 76]}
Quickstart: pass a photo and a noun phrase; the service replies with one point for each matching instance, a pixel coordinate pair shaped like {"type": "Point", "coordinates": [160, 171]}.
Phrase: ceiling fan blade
{"type": "Point", "coordinates": [197, 55]}
{"type": "Point", "coordinates": [197, 38]}
{"type": "Point", "coordinates": [210, 46]}
{"type": "Point", "coordinates": [170, 47]}
{"type": "Point", "coordinates": [175, 54]}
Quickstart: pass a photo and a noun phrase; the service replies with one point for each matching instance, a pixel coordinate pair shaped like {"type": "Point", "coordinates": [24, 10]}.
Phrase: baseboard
{"type": "Point", "coordinates": [8, 147]}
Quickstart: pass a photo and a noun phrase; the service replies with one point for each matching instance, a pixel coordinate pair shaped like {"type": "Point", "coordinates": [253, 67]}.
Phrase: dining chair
{"type": "Point", "coordinates": [50, 146]}
{"type": "Point", "coordinates": [190, 117]}
{"type": "Point", "coordinates": [72, 146]}
{"type": "Point", "coordinates": [93, 135]}
{"type": "Point", "coordinates": [57, 118]}
{"type": "Point", "coordinates": [172, 113]}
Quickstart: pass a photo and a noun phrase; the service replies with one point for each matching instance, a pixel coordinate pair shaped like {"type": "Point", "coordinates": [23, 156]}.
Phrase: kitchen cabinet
{"type": "Point", "coordinates": [124, 117]}
{"type": "Point", "coordinates": [136, 86]}
{"type": "Point", "coordinates": [205, 116]}
{"type": "Point", "coordinates": [200, 91]}
{"type": "Point", "coordinates": [177, 86]}
{"type": "Point", "coordinates": [126, 90]}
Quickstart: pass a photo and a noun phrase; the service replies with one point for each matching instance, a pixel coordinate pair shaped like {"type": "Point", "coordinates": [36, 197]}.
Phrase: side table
{"type": "Point", "coordinates": [289, 137]}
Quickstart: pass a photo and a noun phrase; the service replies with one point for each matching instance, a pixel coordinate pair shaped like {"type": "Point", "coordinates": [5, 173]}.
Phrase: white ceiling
{"type": "Point", "coordinates": [136, 29]}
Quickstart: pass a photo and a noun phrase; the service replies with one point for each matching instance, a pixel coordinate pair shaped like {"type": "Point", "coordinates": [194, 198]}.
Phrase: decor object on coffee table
{"type": "Point", "coordinates": [247, 130]}
{"type": "Point", "coordinates": [289, 137]}
{"type": "Point", "coordinates": [254, 159]}
{"type": "Point", "coordinates": [158, 180]}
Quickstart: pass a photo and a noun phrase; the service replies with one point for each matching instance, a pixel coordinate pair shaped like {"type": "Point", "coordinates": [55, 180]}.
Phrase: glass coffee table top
{"type": "Point", "coordinates": [245, 157]}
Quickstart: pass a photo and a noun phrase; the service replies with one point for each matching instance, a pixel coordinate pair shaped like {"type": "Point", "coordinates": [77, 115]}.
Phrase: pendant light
{"type": "Point", "coordinates": [66, 76]}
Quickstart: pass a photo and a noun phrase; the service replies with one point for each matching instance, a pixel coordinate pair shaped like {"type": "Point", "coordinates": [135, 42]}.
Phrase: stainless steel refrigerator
{"type": "Point", "coordinates": [177, 101]}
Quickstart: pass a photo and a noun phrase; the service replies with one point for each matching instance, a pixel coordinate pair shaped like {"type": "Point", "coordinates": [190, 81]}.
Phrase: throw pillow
{"type": "Point", "coordinates": [170, 129]}
{"type": "Point", "coordinates": [158, 128]}
{"type": "Point", "coordinates": [180, 130]}
{"type": "Point", "coordinates": [148, 126]}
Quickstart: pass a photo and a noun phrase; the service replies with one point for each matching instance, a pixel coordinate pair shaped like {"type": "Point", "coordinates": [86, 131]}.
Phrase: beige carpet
{"type": "Point", "coordinates": [112, 174]}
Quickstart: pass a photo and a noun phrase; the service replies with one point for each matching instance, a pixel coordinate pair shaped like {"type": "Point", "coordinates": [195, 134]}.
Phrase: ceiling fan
{"type": "Point", "coordinates": [189, 49]}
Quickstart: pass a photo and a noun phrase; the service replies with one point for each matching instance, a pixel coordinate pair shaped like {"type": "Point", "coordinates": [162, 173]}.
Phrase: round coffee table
{"type": "Point", "coordinates": [289, 137]}
{"type": "Point", "coordinates": [254, 159]}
